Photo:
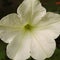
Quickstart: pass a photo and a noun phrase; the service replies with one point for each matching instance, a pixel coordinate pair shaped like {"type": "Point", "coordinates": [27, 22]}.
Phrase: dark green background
{"type": "Point", "coordinates": [10, 6]}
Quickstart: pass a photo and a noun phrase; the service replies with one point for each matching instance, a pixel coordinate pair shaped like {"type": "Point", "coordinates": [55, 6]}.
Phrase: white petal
{"type": "Point", "coordinates": [31, 11]}
{"type": "Point", "coordinates": [50, 21]}
{"type": "Point", "coordinates": [55, 27]}
{"type": "Point", "coordinates": [10, 20]}
{"type": "Point", "coordinates": [8, 36]}
{"type": "Point", "coordinates": [19, 49]}
{"type": "Point", "coordinates": [38, 12]}
{"type": "Point", "coordinates": [9, 27]}
{"type": "Point", "coordinates": [43, 45]}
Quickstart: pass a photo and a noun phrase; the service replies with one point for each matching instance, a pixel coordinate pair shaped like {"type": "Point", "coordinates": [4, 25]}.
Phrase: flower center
{"type": "Point", "coordinates": [28, 27]}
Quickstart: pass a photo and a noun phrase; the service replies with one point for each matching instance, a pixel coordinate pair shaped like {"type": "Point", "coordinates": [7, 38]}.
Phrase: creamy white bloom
{"type": "Point", "coordinates": [30, 32]}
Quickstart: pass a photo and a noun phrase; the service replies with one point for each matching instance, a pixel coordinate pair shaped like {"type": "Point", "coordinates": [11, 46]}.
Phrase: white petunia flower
{"type": "Point", "coordinates": [30, 32]}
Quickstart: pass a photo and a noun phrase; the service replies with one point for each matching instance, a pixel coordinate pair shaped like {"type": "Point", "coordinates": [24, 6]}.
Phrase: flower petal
{"type": "Point", "coordinates": [9, 27]}
{"type": "Point", "coordinates": [19, 48]}
{"type": "Point", "coordinates": [50, 21]}
{"type": "Point", "coordinates": [10, 20]}
{"type": "Point", "coordinates": [43, 45]}
{"type": "Point", "coordinates": [31, 11]}
{"type": "Point", "coordinates": [8, 36]}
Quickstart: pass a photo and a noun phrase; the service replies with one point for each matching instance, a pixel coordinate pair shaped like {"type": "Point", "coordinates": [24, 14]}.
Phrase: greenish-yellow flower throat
{"type": "Point", "coordinates": [28, 27]}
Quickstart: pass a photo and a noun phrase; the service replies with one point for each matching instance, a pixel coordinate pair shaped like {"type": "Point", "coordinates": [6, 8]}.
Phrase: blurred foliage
{"type": "Point", "coordinates": [56, 55]}
{"type": "Point", "coordinates": [51, 5]}
{"type": "Point", "coordinates": [3, 55]}
{"type": "Point", "coordinates": [10, 6]}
